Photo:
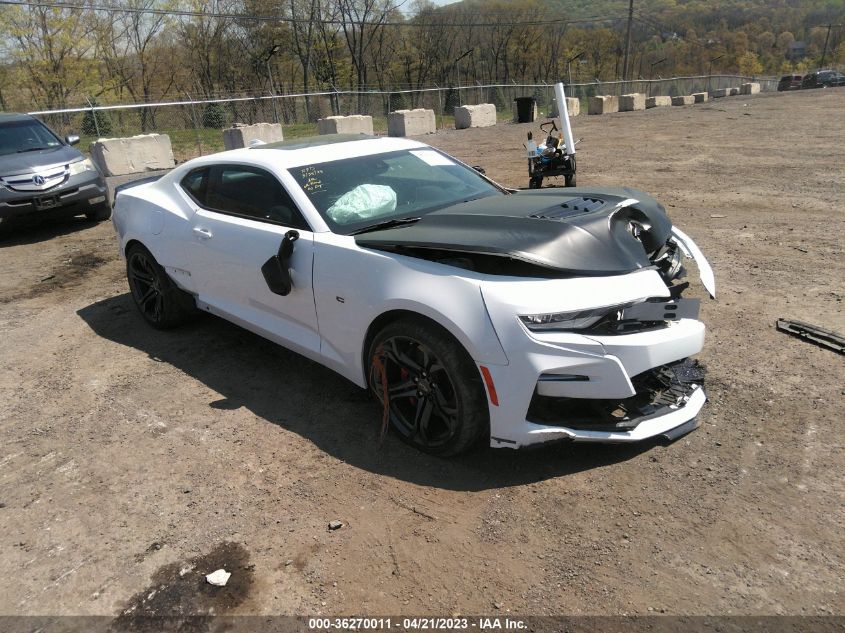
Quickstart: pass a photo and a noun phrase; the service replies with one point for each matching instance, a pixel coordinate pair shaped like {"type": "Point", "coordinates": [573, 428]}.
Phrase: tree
{"type": "Point", "coordinates": [749, 64]}
{"type": "Point", "coordinates": [127, 42]}
{"type": "Point", "coordinates": [52, 46]}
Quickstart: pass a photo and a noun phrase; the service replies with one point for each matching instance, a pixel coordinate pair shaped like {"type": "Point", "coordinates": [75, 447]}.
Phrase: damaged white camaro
{"type": "Point", "coordinates": [472, 312]}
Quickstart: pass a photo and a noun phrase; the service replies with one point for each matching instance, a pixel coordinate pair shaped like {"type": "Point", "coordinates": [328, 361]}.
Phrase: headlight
{"type": "Point", "coordinates": [561, 321]}
{"type": "Point", "coordinates": [81, 166]}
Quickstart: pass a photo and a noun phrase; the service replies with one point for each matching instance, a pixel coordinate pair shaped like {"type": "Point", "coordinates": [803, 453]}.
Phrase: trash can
{"type": "Point", "coordinates": [525, 107]}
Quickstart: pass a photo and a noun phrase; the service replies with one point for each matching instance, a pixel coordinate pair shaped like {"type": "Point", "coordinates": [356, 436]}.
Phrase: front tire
{"type": "Point", "coordinates": [437, 400]}
{"type": "Point", "coordinates": [162, 304]}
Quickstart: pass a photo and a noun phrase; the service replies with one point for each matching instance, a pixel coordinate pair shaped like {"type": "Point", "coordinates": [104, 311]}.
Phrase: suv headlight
{"type": "Point", "coordinates": [562, 321]}
{"type": "Point", "coordinates": [81, 166]}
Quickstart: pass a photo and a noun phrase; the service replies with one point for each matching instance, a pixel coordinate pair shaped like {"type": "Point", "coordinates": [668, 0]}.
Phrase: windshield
{"type": "Point", "coordinates": [354, 193]}
{"type": "Point", "coordinates": [25, 136]}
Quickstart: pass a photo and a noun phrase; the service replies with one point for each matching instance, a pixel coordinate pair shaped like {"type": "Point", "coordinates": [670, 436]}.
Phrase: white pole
{"type": "Point", "coordinates": [563, 112]}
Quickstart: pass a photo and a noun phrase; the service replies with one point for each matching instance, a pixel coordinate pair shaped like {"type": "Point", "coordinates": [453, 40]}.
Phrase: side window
{"type": "Point", "coordinates": [195, 185]}
{"type": "Point", "coordinates": [252, 193]}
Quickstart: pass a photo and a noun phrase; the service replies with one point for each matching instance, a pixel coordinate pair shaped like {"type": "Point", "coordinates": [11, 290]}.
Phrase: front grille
{"type": "Point", "coordinates": [659, 391]}
{"type": "Point", "coordinates": [41, 180]}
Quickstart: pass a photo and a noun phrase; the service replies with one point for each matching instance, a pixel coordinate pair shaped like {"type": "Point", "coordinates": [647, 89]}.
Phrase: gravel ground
{"type": "Point", "coordinates": [135, 461]}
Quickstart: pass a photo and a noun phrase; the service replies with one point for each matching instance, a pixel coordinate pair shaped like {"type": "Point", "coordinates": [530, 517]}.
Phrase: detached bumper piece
{"type": "Point", "coordinates": [667, 399]}
{"type": "Point", "coordinates": [824, 338]}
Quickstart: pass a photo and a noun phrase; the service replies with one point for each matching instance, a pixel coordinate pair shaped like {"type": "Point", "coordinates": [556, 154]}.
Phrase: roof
{"type": "Point", "coordinates": [315, 141]}
{"type": "Point", "coordinates": [310, 151]}
{"type": "Point", "coordinates": [6, 117]}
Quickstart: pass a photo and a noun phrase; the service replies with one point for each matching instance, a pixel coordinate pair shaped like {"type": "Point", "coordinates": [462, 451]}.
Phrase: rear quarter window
{"type": "Point", "coordinates": [195, 184]}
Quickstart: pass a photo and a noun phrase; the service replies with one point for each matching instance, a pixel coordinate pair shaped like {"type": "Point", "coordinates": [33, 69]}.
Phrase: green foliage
{"type": "Point", "coordinates": [397, 101]}
{"type": "Point", "coordinates": [451, 101]}
{"type": "Point", "coordinates": [96, 122]}
{"type": "Point", "coordinates": [213, 116]}
{"type": "Point", "coordinates": [749, 64]}
{"type": "Point", "coordinates": [497, 98]}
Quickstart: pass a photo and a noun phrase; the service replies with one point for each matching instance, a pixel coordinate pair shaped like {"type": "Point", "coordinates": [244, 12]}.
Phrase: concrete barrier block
{"type": "Point", "coordinates": [721, 92]}
{"type": "Point", "coordinates": [732, 92]}
{"type": "Point", "coordinates": [573, 105]}
{"type": "Point", "coordinates": [750, 88]}
{"type": "Point", "coordinates": [481, 115]}
{"type": "Point", "coordinates": [699, 97]}
{"type": "Point", "coordinates": [603, 104]}
{"type": "Point", "coordinates": [658, 102]}
{"type": "Point", "coordinates": [240, 135]}
{"type": "Point", "coordinates": [631, 102]}
{"type": "Point", "coordinates": [132, 155]}
{"type": "Point", "coordinates": [683, 100]}
{"type": "Point", "coordinates": [353, 124]}
{"type": "Point", "coordinates": [411, 122]}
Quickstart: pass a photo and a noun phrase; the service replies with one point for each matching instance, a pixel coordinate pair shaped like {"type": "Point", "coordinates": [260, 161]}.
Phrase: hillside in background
{"type": "Point", "coordinates": [143, 51]}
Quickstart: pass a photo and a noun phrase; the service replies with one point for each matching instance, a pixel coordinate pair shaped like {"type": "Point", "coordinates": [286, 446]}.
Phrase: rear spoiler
{"type": "Point", "coordinates": [135, 183]}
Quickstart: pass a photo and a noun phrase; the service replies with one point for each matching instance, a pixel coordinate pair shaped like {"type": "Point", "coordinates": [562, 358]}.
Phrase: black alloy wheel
{"type": "Point", "coordinates": [157, 298]}
{"type": "Point", "coordinates": [437, 401]}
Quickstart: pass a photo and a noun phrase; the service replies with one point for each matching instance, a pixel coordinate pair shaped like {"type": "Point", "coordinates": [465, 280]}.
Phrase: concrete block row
{"type": "Point", "coordinates": [699, 97]}
{"type": "Point", "coordinates": [658, 102]}
{"type": "Point", "coordinates": [121, 156]}
{"type": "Point", "coordinates": [631, 102]}
{"type": "Point", "coordinates": [240, 135]}
{"type": "Point", "coordinates": [353, 124]}
{"type": "Point", "coordinates": [411, 122]}
{"type": "Point", "coordinates": [481, 115]}
{"type": "Point", "coordinates": [718, 94]}
{"type": "Point", "coordinates": [683, 100]}
{"type": "Point", "coordinates": [750, 88]}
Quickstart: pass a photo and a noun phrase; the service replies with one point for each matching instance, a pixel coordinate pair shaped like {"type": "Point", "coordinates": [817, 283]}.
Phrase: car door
{"type": "Point", "coordinates": [242, 217]}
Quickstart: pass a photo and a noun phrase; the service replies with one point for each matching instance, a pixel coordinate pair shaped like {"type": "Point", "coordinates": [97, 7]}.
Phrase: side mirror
{"type": "Point", "coordinates": [276, 270]}
{"type": "Point", "coordinates": [72, 139]}
{"type": "Point", "coordinates": [480, 169]}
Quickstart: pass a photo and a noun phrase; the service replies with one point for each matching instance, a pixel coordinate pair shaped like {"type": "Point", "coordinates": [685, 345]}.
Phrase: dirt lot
{"type": "Point", "coordinates": [130, 455]}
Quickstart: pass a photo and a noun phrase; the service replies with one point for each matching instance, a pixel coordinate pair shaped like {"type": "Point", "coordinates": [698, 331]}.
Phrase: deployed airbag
{"type": "Point", "coordinates": [363, 202]}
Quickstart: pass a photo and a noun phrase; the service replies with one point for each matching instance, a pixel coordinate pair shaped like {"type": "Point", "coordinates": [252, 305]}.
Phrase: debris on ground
{"type": "Point", "coordinates": [335, 525]}
{"type": "Point", "coordinates": [218, 578]}
{"type": "Point", "coordinates": [814, 334]}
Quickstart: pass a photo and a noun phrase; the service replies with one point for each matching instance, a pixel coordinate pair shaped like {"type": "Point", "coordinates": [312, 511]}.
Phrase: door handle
{"type": "Point", "coordinates": [203, 234]}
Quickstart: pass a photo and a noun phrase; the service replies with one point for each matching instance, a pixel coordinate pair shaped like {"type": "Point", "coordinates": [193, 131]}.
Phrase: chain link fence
{"type": "Point", "coordinates": [194, 124]}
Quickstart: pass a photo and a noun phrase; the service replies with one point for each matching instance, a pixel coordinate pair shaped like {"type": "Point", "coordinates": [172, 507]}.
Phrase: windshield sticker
{"type": "Point", "coordinates": [432, 158]}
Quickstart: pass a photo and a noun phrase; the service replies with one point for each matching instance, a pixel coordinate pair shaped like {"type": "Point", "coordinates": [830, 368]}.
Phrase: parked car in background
{"type": "Point", "coordinates": [471, 311]}
{"type": "Point", "coordinates": [823, 79]}
{"type": "Point", "coordinates": [43, 175]}
{"type": "Point", "coordinates": [790, 82]}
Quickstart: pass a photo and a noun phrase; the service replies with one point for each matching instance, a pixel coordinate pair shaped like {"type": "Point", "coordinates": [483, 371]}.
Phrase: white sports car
{"type": "Point", "coordinates": [472, 312]}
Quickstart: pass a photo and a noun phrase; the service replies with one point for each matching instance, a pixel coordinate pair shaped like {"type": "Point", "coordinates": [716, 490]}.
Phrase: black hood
{"type": "Point", "coordinates": [28, 162]}
{"type": "Point", "coordinates": [576, 230]}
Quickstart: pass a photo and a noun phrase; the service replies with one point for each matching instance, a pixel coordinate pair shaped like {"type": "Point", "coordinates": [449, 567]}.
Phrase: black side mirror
{"type": "Point", "coordinates": [480, 169]}
{"type": "Point", "coordinates": [72, 139]}
{"type": "Point", "coordinates": [276, 270]}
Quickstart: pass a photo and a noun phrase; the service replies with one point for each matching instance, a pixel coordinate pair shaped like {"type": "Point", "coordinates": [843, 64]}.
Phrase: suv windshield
{"type": "Point", "coordinates": [25, 136]}
{"type": "Point", "coordinates": [355, 193]}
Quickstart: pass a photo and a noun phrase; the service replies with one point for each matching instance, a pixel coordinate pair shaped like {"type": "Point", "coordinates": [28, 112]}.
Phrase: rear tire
{"type": "Point", "coordinates": [162, 304]}
{"type": "Point", "coordinates": [437, 400]}
{"type": "Point", "coordinates": [100, 213]}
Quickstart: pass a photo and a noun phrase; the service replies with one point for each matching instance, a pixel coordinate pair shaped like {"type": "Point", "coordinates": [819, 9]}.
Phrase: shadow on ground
{"type": "Point", "coordinates": [21, 232]}
{"type": "Point", "coordinates": [314, 402]}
